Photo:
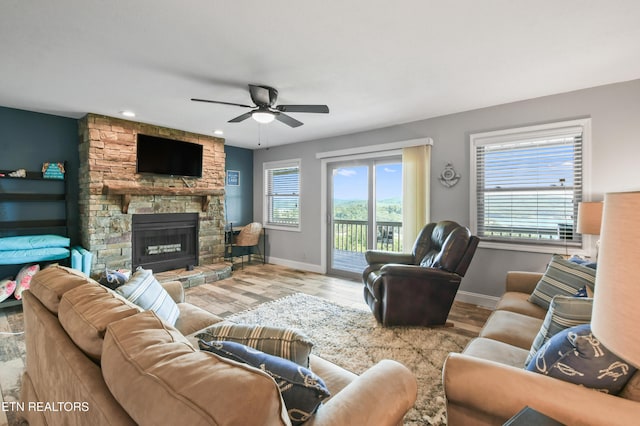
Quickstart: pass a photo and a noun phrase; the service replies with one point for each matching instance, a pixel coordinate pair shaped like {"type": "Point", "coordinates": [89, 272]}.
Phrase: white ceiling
{"type": "Point", "coordinates": [375, 63]}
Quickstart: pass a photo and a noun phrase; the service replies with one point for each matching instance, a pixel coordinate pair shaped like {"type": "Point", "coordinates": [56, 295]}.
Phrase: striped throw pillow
{"type": "Point", "coordinates": [145, 291]}
{"type": "Point", "coordinates": [564, 312]}
{"type": "Point", "coordinates": [562, 278]}
{"type": "Point", "coordinates": [282, 342]}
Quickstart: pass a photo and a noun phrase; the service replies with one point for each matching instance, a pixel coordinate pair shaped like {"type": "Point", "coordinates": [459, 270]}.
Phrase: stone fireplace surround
{"type": "Point", "coordinates": [110, 190]}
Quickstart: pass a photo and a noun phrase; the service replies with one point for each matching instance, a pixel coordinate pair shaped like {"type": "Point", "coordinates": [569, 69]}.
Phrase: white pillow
{"type": "Point", "coordinates": [145, 291]}
{"type": "Point", "coordinates": [7, 287]}
{"type": "Point", "coordinates": [23, 279]}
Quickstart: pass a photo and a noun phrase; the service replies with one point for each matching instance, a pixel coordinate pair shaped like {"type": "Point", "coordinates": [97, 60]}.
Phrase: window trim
{"type": "Point", "coordinates": [542, 130]}
{"type": "Point", "coordinates": [270, 165]}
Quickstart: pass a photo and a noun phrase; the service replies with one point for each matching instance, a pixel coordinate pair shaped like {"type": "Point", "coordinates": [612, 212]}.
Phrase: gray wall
{"type": "Point", "coordinates": [614, 110]}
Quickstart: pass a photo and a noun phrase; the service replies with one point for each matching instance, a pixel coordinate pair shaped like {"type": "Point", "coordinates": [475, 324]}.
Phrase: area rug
{"type": "Point", "coordinates": [353, 339]}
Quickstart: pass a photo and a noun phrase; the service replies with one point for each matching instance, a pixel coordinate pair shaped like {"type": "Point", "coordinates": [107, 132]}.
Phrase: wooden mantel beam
{"type": "Point", "coordinates": [127, 190]}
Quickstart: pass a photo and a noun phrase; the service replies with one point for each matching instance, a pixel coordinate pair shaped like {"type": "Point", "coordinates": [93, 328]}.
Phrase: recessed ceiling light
{"type": "Point", "coordinates": [218, 132]}
{"type": "Point", "coordinates": [128, 113]}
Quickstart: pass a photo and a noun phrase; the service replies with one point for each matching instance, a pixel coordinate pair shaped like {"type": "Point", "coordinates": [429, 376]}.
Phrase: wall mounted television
{"type": "Point", "coordinates": [163, 156]}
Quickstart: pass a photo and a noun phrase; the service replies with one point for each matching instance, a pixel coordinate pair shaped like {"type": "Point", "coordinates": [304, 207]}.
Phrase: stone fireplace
{"type": "Point", "coordinates": [112, 194]}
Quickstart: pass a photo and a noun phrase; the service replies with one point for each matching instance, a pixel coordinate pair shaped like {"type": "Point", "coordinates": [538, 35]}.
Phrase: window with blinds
{"type": "Point", "coordinates": [282, 194]}
{"type": "Point", "coordinates": [527, 184]}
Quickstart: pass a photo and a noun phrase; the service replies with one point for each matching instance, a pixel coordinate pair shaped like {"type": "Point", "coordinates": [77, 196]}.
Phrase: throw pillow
{"type": "Point", "coordinates": [114, 278]}
{"type": "Point", "coordinates": [584, 292]}
{"type": "Point", "coordinates": [7, 287]}
{"type": "Point", "coordinates": [585, 262]}
{"type": "Point", "coordinates": [562, 277]}
{"type": "Point", "coordinates": [302, 391]}
{"type": "Point", "coordinates": [23, 279]}
{"type": "Point", "coordinates": [564, 312]}
{"type": "Point", "coordinates": [575, 355]}
{"type": "Point", "coordinates": [145, 291]}
{"type": "Point", "coordinates": [282, 342]}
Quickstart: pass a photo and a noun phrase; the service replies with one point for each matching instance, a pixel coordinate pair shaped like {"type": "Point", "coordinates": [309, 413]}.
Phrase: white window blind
{"type": "Point", "coordinates": [528, 185]}
{"type": "Point", "coordinates": [282, 193]}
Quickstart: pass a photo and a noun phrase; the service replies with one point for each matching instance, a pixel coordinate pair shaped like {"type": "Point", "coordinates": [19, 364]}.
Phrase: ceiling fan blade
{"type": "Point", "coordinates": [288, 120]}
{"type": "Point", "coordinates": [241, 117]}
{"type": "Point", "coordinates": [304, 108]}
{"type": "Point", "coordinates": [220, 102]}
{"type": "Point", "coordinates": [263, 96]}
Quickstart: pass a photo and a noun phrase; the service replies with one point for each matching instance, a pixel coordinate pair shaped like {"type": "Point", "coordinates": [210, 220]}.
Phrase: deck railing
{"type": "Point", "coordinates": [352, 235]}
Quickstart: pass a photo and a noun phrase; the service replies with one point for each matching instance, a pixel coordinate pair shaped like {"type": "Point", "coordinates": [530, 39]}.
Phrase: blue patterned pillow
{"type": "Point", "coordinates": [564, 312]}
{"type": "Point", "coordinates": [562, 277]}
{"type": "Point", "coordinates": [113, 278]}
{"type": "Point", "coordinates": [575, 355]}
{"type": "Point", "coordinates": [302, 391]}
{"type": "Point", "coordinates": [145, 291]}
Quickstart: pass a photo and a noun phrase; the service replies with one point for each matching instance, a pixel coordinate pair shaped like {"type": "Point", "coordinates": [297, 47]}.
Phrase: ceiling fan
{"type": "Point", "coordinates": [264, 109]}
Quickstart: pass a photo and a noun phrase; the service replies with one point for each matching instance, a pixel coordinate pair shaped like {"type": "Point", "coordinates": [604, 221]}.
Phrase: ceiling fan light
{"type": "Point", "coordinates": [263, 117]}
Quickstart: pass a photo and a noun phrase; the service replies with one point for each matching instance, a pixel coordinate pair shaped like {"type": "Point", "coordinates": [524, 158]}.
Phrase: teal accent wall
{"type": "Point", "coordinates": [239, 199]}
{"type": "Point", "coordinates": [28, 139]}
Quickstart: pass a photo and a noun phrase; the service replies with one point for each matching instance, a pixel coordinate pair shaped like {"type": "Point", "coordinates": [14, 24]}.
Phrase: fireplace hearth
{"type": "Point", "coordinates": [165, 241]}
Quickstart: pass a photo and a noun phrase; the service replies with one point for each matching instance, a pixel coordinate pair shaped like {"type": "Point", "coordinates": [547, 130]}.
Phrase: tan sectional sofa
{"type": "Point", "coordinates": [487, 383]}
{"type": "Point", "coordinates": [95, 359]}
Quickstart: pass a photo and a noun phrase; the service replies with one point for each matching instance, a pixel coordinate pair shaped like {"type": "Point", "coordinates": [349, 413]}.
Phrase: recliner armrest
{"type": "Point", "coordinates": [414, 271]}
{"type": "Point", "coordinates": [381, 257]}
{"type": "Point", "coordinates": [380, 396]}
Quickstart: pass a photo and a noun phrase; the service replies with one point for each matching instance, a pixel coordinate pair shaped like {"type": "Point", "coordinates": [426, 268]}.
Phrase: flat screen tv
{"type": "Point", "coordinates": [163, 156]}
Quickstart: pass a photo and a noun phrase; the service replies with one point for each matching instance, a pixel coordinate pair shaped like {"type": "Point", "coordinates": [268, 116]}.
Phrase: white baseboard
{"type": "Point", "coordinates": [309, 267]}
{"type": "Point", "coordinates": [477, 299]}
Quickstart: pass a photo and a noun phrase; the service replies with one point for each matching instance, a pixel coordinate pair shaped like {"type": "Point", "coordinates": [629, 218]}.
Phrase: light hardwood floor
{"type": "Point", "coordinates": [257, 283]}
{"type": "Point", "coordinates": [247, 288]}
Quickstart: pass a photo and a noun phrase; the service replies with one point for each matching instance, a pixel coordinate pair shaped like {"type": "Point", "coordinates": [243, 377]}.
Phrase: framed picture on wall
{"type": "Point", "coordinates": [233, 178]}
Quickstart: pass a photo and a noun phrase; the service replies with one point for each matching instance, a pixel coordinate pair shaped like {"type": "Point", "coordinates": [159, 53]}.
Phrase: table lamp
{"type": "Point", "coordinates": [616, 305]}
{"type": "Point", "coordinates": [590, 219]}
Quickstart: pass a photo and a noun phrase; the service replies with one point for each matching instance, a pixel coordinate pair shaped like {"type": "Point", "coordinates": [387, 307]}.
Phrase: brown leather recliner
{"type": "Point", "coordinates": [418, 288]}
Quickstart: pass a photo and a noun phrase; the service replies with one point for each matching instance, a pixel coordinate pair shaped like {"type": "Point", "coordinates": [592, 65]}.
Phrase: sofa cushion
{"type": "Point", "coordinates": [193, 318]}
{"type": "Point", "coordinates": [302, 390]}
{"type": "Point", "coordinates": [282, 342]}
{"type": "Point", "coordinates": [561, 278]}
{"type": "Point", "coordinates": [496, 351]}
{"type": "Point", "coordinates": [564, 312]}
{"type": "Point", "coordinates": [85, 312]}
{"type": "Point", "coordinates": [575, 355]}
{"type": "Point", "coordinates": [512, 328]}
{"type": "Point", "coordinates": [50, 284]}
{"type": "Point", "coordinates": [514, 301]}
{"type": "Point", "coordinates": [145, 291]}
{"type": "Point", "coordinates": [632, 389]}
{"type": "Point", "coordinates": [160, 378]}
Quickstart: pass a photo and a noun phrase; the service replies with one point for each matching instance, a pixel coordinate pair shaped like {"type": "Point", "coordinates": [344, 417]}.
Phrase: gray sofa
{"type": "Point", "coordinates": [487, 384]}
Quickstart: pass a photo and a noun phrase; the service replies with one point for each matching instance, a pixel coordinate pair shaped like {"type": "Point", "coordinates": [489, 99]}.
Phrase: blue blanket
{"type": "Point", "coordinates": [28, 242]}
{"type": "Point", "coordinates": [11, 257]}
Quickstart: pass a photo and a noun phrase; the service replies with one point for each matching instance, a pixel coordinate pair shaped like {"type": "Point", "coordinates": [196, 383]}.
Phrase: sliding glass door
{"type": "Point", "coordinates": [364, 211]}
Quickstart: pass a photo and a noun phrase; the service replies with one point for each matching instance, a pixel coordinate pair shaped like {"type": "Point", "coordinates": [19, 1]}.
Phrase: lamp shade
{"type": "Point", "coordinates": [589, 217]}
{"type": "Point", "coordinates": [616, 306]}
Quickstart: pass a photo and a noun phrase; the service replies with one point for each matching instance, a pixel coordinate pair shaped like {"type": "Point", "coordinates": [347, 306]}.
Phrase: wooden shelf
{"type": "Point", "coordinates": [10, 302]}
{"type": "Point", "coordinates": [129, 190]}
{"type": "Point", "coordinates": [31, 197]}
{"type": "Point", "coordinates": [30, 175]}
